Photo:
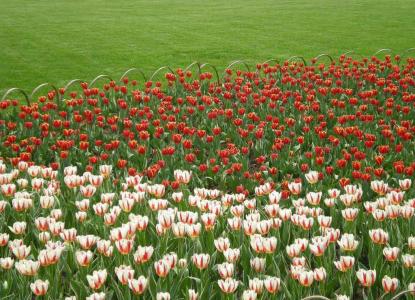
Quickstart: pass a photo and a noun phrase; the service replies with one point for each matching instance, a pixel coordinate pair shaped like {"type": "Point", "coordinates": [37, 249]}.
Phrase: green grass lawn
{"type": "Point", "coordinates": [58, 40]}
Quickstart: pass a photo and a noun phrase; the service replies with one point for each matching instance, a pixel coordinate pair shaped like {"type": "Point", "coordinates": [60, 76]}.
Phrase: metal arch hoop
{"type": "Point", "coordinates": [36, 89]}
{"type": "Point", "coordinates": [131, 70]}
{"type": "Point", "coordinates": [359, 56]}
{"type": "Point", "coordinates": [382, 50]}
{"type": "Point", "coordinates": [407, 51]}
{"type": "Point", "coordinates": [9, 91]}
{"type": "Point", "coordinates": [347, 53]}
{"type": "Point", "coordinates": [70, 83]}
{"type": "Point", "coordinates": [160, 69]}
{"type": "Point", "coordinates": [236, 62]}
{"type": "Point", "coordinates": [324, 55]}
{"type": "Point", "coordinates": [271, 60]}
{"type": "Point", "coordinates": [402, 293]}
{"type": "Point", "coordinates": [98, 78]}
{"type": "Point", "coordinates": [315, 297]}
{"type": "Point", "coordinates": [191, 65]}
{"type": "Point", "coordinates": [214, 69]}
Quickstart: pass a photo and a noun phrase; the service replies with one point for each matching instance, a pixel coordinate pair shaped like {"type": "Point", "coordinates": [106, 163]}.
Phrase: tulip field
{"type": "Point", "coordinates": [282, 180]}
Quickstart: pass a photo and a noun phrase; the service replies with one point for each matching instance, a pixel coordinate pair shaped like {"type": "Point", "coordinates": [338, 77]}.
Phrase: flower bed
{"type": "Point", "coordinates": [283, 182]}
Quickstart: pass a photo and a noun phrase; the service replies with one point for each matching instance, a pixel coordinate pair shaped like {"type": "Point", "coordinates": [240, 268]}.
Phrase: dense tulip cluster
{"type": "Point", "coordinates": [285, 182]}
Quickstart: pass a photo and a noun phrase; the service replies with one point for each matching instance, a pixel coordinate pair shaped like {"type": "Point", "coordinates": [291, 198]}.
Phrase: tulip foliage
{"type": "Point", "coordinates": [280, 183]}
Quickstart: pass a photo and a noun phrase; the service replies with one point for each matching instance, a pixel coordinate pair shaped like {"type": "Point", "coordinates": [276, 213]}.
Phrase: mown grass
{"type": "Point", "coordinates": [59, 40]}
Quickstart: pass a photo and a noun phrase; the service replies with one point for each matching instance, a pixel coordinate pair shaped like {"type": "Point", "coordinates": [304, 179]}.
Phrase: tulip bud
{"type": "Point", "coordinates": [366, 277]}
{"type": "Point", "coordinates": [389, 284]}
